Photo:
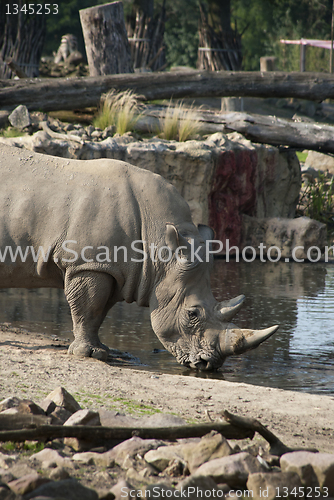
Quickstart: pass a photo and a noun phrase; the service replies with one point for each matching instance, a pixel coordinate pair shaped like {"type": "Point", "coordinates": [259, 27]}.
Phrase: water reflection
{"type": "Point", "coordinates": [299, 297]}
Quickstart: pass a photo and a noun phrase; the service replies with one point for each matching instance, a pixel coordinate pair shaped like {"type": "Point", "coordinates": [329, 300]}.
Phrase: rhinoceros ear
{"type": "Point", "coordinates": [206, 232]}
{"type": "Point", "coordinates": [174, 239]}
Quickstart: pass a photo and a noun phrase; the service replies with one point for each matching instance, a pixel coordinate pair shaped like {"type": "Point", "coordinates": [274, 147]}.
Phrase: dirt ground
{"type": "Point", "coordinates": [32, 365]}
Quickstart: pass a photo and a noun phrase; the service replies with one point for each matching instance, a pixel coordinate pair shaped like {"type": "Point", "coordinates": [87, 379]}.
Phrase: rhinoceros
{"type": "Point", "coordinates": [106, 231]}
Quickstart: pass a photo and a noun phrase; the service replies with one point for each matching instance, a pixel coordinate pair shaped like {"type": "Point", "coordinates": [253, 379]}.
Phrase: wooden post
{"type": "Point", "coordinates": [302, 57]}
{"type": "Point", "coordinates": [106, 41]}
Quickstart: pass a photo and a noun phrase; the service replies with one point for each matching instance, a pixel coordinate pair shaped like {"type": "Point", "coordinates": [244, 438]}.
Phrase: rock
{"type": "Point", "coordinates": [88, 458]}
{"type": "Point", "coordinates": [7, 460]}
{"type": "Point", "coordinates": [28, 406]}
{"type": "Point", "coordinates": [196, 487]}
{"type": "Point", "coordinates": [20, 118]}
{"type": "Point", "coordinates": [164, 455]}
{"type": "Point", "coordinates": [20, 469]}
{"type": "Point", "coordinates": [294, 238]}
{"type": "Point", "coordinates": [157, 491]}
{"type": "Point", "coordinates": [321, 463]}
{"type": "Point", "coordinates": [59, 473]}
{"type": "Point", "coordinates": [221, 178]}
{"type": "Point", "coordinates": [175, 468]}
{"type": "Point", "coordinates": [133, 447]}
{"type": "Point", "coordinates": [59, 415]}
{"type": "Point", "coordinates": [48, 406]}
{"type": "Point", "coordinates": [211, 446]}
{"type": "Point", "coordinates": [28, 483]}
{"type": "Point", "coordinates": [123, 489]}
{"type": "Point", "coordinates": [62, 398]}
{"type": "Point", "coordinates": [233, 470]}
{"type": "Point", "coordinates": [320, 161]}
{"type": "Point", "coordinates": [6, 476]}
{"type": "Point", "coordinates": [51, 458]}
{"type": "Point", "coordinates": [7, 494]}
{"type": "Point", "coordinates": [70, 489]}
{"type": "Point", "coordinates": [271, 485]}
{"type": "Point", "coordinates": [7, 403]}
{"type": "Point", "coordinates": [84, 417]}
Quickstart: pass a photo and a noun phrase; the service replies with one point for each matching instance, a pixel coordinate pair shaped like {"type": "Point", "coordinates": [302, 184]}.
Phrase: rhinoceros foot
{"type": "Point", "coordinates": [85, 350]}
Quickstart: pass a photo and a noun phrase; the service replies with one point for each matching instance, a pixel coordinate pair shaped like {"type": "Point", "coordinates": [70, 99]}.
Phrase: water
{"type": "Point", "coordinates": [298, 297]}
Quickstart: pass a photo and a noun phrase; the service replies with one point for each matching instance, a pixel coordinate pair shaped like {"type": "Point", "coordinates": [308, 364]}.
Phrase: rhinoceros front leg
{"type": "Point", "coordinates": [89, 295]}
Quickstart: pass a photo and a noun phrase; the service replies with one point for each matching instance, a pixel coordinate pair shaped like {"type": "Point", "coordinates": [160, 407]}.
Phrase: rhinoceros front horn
{"type": "Point", "coordinates": [229, 308]}
{"type": "Point", "coordinates": [236, 340]}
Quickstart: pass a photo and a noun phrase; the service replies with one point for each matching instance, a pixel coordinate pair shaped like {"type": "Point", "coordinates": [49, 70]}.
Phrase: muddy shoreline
{"type": "Point", "coordinates": [32, 365]}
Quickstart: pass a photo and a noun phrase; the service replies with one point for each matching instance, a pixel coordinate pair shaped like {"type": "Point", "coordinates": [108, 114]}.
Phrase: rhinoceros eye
{"type": "Point", "coordinates": [193, 314]}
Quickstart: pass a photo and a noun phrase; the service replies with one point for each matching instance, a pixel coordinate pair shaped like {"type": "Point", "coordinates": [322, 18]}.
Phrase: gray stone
{"type": "Point", "coordinates": [293, 237]}
{"type": "Point", "coordinates": [122, 489]}
{"type": "Point", "coordinates": [6, 476]}
{"type": "Point", "coordinates": [7, 460]}
{"type": "Point", "coordinates": [321, 463]}
{"type": "Point", "coordinates": [211, 446]}
{"type": "Point", "coordinates": [51, 458]}
{"type": "Point", "coordinates": [233, 470]}
{"type": "Point", "coordinates": [70, 489]}
{"type": "Point", "coordinates": [222, 171]}
{"type": "Point", "coordinates": [63, 398]}
{"type": "Point", "coordinates": [164, 455]}
{"type": "Point", "coordinates": [20, 469]}
{"type": "Point", "coordinates": [7, 494]}
{"type": "Point", "coordinates": [84, 417]}
{"type": "Point", "coordinates": [8, 403]}
{"type": "Point", "coordinates": [48, 406]}
{"type": "Point", "coordinates": [161, 420]}
{"type": "Point", "coordinates": [28, 483]}
{"type": "Point", "coordinates": [59, 473]}
{"type": "Point", "coordinates": [20, 118]}
{"type": "Point", "coordinates": [159, 490]}
{"type": "Point", "coordinates": [59, 415]}
{"type": "Point", "coordinates": [195, 487]}
{"type": "Point", "coordinates": [28, 406]}
{"type": "Point", "coordinates": [320, 161]}
{"type": "Point", "coordinates": [133, 447]}
{"type": "Point", "coordinates": [271, 485]}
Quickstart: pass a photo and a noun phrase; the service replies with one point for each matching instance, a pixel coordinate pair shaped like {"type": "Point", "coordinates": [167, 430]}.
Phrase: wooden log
{"type": "Point", "coordinates": [96, 433]}
{"type": "Point", "coordinates": [75, 93]}
{"type": "Point", "coordinates": [106, 40]}
{"type": "Point", "coordinates": [18, 421]}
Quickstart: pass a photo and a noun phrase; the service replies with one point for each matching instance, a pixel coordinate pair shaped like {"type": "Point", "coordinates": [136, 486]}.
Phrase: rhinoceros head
{"type": "Point", "coordinates": [185, 316]}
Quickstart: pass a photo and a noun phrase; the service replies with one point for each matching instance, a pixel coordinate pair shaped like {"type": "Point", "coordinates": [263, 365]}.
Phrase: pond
{"type": "Point", "coordinates": [299, 297]}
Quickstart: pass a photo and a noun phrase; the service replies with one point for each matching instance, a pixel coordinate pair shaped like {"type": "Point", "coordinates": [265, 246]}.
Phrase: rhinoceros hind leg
{"type": "Point", "coordinates": [89, 295]}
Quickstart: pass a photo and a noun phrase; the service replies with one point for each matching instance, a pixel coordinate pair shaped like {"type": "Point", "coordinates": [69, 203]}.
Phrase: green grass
{"type": "Point", "coordinates": [302, 155]}
{"type": "Point", "coordinates": [119, 109]}
{"type": "Point", "coordinates": [179, 123]}
{"type": "Point", "coordinates": [11, 132]}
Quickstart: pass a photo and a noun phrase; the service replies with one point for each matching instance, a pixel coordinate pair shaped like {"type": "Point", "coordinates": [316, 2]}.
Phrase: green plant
{"type": "Point", "coordinates": [179, 123]}
{"type": "Point", "coordinates": [119, 109]}
{"type": "Point", "coordinates": [317, 200]}
{"type": "Point", "coordinates": [11, 132]}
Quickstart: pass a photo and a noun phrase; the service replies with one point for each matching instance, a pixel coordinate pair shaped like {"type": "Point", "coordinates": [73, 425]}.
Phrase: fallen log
{"type": "Point", "coordinates": [17, 421]}
{"type": "Point", "coordinates": [96, 433]}
{"type": "Point", "coordinates": [81, 92]}
{"type": "Point", "coordinates": [257, 128]}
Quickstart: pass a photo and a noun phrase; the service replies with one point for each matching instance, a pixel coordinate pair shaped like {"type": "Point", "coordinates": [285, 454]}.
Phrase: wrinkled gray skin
{"type": "Point", "coordinates": [46, 200]}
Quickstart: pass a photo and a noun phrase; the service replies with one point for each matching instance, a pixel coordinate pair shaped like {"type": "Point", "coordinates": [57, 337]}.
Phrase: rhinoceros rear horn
{"type": "Point", "coordinates": [236, 340]}
{"type": "Point", "coordinates": [229, 308]}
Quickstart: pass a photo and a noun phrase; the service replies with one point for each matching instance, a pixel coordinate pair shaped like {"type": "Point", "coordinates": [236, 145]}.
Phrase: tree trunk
{"type": "Point", "coordinates": [75, 93]}
{"type": "Point", "coordinates": [106, 41]}
{"type": "Point", "coordinates": [22, 38]}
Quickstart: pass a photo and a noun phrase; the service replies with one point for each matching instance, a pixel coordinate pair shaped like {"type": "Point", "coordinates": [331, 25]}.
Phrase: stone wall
{"type": "Point", "coordinates": [221, 177]}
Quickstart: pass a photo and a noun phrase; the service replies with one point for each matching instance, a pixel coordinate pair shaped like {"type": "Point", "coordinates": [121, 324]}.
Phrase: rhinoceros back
{"type": "Point", "coordinates": [47, 200]}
